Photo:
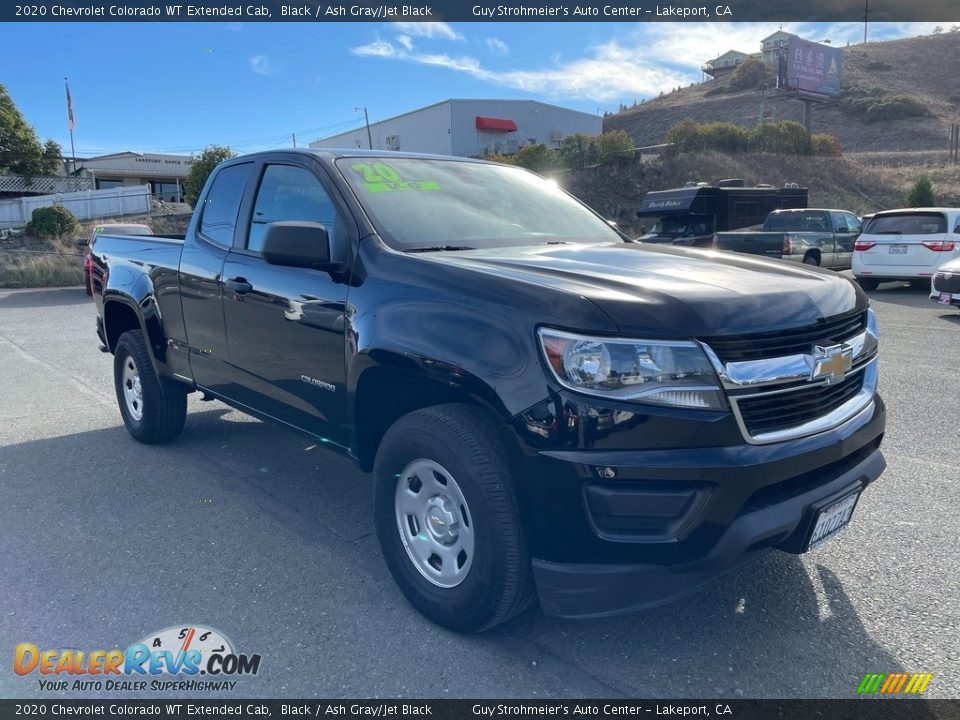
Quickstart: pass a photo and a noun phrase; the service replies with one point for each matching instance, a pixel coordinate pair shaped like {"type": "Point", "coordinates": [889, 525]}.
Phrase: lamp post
{"type": "Point", "coordinates": [366, 119]}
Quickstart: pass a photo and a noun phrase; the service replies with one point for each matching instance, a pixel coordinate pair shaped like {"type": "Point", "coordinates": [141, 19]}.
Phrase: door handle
{"type": "Point", "coordinates": [239, 285]}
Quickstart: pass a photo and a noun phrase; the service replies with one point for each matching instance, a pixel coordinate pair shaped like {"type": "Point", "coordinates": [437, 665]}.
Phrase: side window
{"type": "Point", "coordinates": [289, 193]}
{"type": "Point", "coordinates": [853, 224]}
{"type": "Point", "coordinates": [222, 204]}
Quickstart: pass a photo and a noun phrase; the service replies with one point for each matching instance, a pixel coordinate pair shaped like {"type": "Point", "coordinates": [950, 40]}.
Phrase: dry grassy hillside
{"type": "Point", "coordinates": [926, 68]}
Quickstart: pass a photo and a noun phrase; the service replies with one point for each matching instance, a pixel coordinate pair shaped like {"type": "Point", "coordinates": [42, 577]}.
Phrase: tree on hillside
{"type": "Point", "coordinates": [921, 194]}
{"type": "Point", "coordinates": [202, 166]}
{"type": "Point", "coordinates": [20, 150]}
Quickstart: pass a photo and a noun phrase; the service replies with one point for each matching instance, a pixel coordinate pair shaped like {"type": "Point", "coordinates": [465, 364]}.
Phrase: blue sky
{"type": "Point", "coordinates": [177, 87]}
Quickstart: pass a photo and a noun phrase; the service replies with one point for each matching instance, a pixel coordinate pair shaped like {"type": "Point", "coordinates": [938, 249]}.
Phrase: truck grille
{"type": "Point", "coordinates": [780, 411]}
{"type": "Point", "coordinates": [942, 283]}
{"type": "Point", "coordinates": [736, 348]}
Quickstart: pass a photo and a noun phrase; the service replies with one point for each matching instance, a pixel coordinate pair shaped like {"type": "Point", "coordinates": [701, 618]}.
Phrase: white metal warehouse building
{"type": "Point", "coordinates": [470, 128]}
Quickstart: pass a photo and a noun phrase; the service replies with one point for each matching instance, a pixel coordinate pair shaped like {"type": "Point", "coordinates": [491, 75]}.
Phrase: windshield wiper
{"type": "Point", "coordinates": [438, 248]}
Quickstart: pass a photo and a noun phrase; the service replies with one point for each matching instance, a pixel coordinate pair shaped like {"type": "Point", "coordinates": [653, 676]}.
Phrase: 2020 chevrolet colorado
{"type": "Point", "coordinates": [549, 409]}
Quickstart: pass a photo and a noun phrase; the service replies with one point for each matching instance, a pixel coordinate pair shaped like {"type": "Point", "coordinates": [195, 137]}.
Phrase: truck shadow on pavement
{"type": "Point", "coordinates": [269, 515]}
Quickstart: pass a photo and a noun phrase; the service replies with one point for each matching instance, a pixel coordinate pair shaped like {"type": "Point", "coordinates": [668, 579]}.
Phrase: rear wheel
{"type": "Point", "coordinates": [153, 408]}
{"type": "Point", "coordinates": [811, 259]}
{"type": "Point", "coordinates": [447, 519]}
{"type": "Point", "coordinates": [868, 283]}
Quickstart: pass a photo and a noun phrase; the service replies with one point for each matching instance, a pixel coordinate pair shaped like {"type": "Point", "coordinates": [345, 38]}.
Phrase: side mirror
{"type": "Point", "coordinates": [297, 243]}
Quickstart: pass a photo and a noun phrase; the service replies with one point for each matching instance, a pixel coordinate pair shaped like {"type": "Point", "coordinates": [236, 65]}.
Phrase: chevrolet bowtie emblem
{"type": "Point", "coordinates": [832, 362]}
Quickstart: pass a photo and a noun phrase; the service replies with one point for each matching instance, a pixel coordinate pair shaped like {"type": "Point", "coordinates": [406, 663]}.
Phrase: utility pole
{"type": "Point", "coordinates": [294, 136]}
{"type": "Point", "coordinates": [366, 119]}
{"type": "Point", "coordinates": [866, 17]}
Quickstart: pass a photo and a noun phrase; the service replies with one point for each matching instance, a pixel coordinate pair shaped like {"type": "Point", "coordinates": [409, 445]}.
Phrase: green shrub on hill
{"type": "Point", "coordinates": [873, 104]}
{"type": "Point", "coordinates": [784, 137]}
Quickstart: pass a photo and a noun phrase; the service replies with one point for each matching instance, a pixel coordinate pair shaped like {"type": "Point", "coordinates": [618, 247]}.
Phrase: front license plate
{"type": "Point", "coordinates": [945, 298]}
{"type": "Point", "coordinates": [831, 520]}
{"type": "Point", "coordinates": [898, 249]}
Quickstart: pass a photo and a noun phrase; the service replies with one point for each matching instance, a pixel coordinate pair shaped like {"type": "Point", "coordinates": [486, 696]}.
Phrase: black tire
{"type": "Point", "coordinates": [868, 284]}
{"type": "Point", "coordinates": [499, 582]}
{"type": "Point", "coordinates": [811, 259]}
{"type": "Point", "coordinates": [163, 403]}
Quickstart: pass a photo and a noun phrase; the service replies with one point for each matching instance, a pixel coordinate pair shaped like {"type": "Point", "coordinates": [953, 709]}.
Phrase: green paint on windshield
{"type": "Point", "coordinates": [381, 177]}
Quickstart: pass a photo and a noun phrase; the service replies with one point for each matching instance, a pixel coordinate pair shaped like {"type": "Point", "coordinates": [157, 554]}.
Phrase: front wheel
{"type": "Point", "coordinates": [447, 519]}
{"type": "Point", "coordinates": [153, 408]}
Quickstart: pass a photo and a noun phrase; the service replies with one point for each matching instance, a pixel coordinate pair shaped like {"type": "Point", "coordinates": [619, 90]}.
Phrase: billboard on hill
{"type": "Point", "coordinates": [813, 69]}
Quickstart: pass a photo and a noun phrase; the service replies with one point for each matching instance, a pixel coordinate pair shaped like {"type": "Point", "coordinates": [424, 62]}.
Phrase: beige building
{"type": "Point", "coordinates": [163, 173]}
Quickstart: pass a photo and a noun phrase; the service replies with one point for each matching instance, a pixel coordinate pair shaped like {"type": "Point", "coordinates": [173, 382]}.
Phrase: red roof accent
{"type": "Point", "coordinates": [496, 124]}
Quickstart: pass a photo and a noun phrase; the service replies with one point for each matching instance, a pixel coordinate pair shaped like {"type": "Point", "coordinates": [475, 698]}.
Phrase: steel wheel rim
{"type": "Point", "coordinates": [434, 522]}
{"type": "Point", "coordinates": [132, 389]}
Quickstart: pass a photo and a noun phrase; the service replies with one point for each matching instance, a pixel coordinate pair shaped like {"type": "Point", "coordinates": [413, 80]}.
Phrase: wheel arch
{"type": "Point", "coordinates": [392, 385]}
{"type": "Point", "coordinates": [121, 314]}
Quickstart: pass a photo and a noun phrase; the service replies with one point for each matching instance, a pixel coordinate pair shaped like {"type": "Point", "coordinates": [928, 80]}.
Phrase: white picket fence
{"type": "Point", "coordinates": [85, 205]}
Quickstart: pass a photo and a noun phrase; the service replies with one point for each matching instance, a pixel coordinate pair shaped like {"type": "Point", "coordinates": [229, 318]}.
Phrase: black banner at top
{"type": "Point", "coordinates": [941, 11]}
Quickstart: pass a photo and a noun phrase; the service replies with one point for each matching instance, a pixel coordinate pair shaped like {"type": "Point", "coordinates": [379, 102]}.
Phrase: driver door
{"type": "Point", "coordinates": [285, 325]}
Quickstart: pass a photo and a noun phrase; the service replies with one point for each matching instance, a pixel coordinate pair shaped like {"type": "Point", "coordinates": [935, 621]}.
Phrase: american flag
{"type": "Point", "coordinates": [73, 123]}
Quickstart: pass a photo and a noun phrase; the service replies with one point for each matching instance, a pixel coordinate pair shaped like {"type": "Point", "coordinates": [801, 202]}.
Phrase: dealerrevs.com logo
{"type": "Point", "coordinates": [172, 659]}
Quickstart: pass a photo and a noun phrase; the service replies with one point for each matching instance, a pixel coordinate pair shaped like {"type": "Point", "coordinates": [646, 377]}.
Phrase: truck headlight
{"type": "Point", "coordinates": [660, 372]}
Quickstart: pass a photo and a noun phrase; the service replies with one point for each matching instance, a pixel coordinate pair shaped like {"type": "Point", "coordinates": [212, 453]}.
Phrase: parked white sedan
{"type": "Point", "coordinates": [908, 244]}
{"type": "Point", "coordinates": [945, 284]}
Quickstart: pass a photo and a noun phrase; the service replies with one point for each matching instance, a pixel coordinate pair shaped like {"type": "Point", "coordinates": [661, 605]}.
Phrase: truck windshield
{"type": "Point", "coordinates": [419, 204]}
{"type": "Point", "coordinates": [684, 225]}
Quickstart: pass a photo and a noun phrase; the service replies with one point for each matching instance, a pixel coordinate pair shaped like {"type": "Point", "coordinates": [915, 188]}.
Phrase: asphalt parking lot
{"type": "Point", "coordinates": [260, 534]}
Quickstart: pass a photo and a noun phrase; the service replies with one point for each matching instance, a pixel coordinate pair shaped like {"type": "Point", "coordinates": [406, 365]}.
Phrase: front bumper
{"type": "Point", "coordinates": [612, 530]}
{"type": "Point", "coordinates": [595, 590]}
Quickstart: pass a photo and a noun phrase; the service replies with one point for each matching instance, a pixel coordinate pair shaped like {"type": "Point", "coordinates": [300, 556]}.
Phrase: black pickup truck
{"type": "Point", "coordinates": [549, 409]}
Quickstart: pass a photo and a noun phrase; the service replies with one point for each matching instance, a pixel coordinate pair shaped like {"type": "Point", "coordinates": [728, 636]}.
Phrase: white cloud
{"type": "Point", "coordinates": [428, 30]}
{"type": "Point", "coordinates": [497, 46]}
{"type": "Point", "coordinates": [406, 41]}
{"type": "Point", "coordinates": [233, 27]}
{"type": "Point", "coordinates": [260, 64]}
{"type": "Point", "coordinates": [378, 48]}
{"type": "Point", "coordinates": [610, 72]}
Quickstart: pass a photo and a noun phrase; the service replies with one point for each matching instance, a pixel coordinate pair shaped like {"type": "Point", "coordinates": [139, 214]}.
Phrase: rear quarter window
{"type": "Point", "coordinates": [221, 206]}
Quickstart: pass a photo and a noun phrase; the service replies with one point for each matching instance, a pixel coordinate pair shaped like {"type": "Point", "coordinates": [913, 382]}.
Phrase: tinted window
{"type": "Point", "coordinates": [222, 204]}
{"type": "Point", "coordinates": [417, 203]}
{"type": "Point", "coordinates": [289, 193]}
{"type": "Point", "coordinates": [914, 223]}
{"type": "Point", "coordinates": [853, 225]}
{"type": "Point", "coordinates": [815, 221]}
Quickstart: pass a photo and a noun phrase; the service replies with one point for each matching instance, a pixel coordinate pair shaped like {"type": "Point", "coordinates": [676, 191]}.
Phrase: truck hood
{"type": "Point", "coordinates": [671, 291]}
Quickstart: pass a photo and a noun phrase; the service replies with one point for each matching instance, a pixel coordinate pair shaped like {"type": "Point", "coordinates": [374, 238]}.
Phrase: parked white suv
{"type": "Point", "coordinates": [908, 244]}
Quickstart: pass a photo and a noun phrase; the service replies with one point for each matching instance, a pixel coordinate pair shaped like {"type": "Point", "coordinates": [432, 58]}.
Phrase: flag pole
{"type": "Point", "coordinates": [73, 124]}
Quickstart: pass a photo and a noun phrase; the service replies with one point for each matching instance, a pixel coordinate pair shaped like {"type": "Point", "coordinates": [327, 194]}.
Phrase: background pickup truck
{"type": "Point", "coordinates": [811, 236]}
{"type": "Point", "coordinates": [482, 342]}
